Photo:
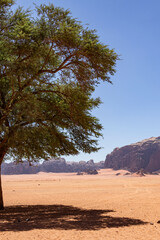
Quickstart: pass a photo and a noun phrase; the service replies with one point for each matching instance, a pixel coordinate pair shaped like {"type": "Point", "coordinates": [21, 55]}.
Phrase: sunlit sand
{"type": "Point", "coordinates": [66, 206]}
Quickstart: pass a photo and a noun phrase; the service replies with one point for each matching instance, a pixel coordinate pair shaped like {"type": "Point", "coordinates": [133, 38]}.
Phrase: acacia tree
{"type": "Point", "coordinates": [49, 67]}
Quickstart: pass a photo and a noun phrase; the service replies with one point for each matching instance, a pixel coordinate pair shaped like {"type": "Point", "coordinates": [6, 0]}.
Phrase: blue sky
{"type": "Point", "coordinates": [130, 109]}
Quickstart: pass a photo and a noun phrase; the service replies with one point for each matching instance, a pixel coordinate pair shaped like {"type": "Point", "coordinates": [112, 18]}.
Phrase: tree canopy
{"type": "Point", "coordinates": [50, 65]}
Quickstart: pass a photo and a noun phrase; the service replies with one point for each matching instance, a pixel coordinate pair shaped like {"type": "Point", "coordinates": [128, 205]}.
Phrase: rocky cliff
{"type": "Point", "coordinates": [141, 155]}
{"type": "Point", "coordinates": [54, 165]}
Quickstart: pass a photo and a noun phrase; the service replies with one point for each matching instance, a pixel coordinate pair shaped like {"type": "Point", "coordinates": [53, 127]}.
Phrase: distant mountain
{"type": "Point", "coordinates": [141, 155]}
{"type": "Point", "coordinates": [53, 165]}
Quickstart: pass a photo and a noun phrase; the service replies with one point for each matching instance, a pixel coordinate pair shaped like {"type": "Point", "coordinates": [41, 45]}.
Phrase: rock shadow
{"type": "Point", "coordinates": [25, 218]}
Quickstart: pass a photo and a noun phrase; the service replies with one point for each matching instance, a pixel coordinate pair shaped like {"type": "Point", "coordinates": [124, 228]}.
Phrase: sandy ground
{"type": "Point", "coordinates": [50, 206]}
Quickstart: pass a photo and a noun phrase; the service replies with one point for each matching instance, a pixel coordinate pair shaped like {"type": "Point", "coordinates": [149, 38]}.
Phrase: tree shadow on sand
{"type": "Point", "coordinates": [25, 218]}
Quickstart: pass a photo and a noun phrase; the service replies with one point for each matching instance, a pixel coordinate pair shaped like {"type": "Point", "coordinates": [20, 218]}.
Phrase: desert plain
{"type": "Point", "coordinates": [59, 206]}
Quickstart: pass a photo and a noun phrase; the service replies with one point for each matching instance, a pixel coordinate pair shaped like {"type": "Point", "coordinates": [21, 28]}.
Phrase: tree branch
{"type": "Point", "coordinates": [45, 61]}
{"type": "Point", "coordinates": [62, 65]}
{"type": "Point", "coordinates": [14, 97]}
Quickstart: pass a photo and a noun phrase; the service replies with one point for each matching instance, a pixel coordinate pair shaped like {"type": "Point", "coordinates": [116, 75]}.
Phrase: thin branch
{"type": "Point", "coordinates": [14, 98]}
{"type": "Point", "coordinates": [19, 82]}
{"type": "Point", "coordinates": [62, 66]}
{"type": "Point", "coordinates": [45, 61]}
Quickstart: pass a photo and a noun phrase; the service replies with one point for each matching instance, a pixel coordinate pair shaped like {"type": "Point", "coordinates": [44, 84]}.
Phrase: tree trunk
{"type": "Point", "coordinates": [1, 194]}
{"type": "Point", "coordinates": [2, 154]}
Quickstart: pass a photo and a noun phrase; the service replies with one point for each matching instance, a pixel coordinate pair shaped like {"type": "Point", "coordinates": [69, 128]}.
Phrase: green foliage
{"type": "Point", "coordinates": [49, 67]}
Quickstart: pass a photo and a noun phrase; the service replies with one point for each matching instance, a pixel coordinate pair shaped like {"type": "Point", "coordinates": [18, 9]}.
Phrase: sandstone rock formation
{"type": "Point", "coordinates": [21, 168]}
{"type": "Point", "coordinates": [141, 155]}
{"type": "Point", "coordinates": [92, 172]}
{"type": "Point", "coordinates": [53, 165]}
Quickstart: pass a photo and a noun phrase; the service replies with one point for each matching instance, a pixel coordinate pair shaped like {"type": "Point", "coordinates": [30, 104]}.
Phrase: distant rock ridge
{"type": "Point", "coordinates": [134, 157]}
{"type": "Point", "coordinates": [54, 165]}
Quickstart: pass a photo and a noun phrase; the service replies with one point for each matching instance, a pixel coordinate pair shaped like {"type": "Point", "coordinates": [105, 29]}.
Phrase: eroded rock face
{"type": "Point", "coordinates": [141, 155]}
{"type": "Point", "coordinates": [21, 168]}
{"type": "Point", "coordinates": [54, 165]}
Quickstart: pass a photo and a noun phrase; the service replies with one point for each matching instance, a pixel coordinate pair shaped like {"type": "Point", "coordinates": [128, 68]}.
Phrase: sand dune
{"type": "Point", "coordinates": [66, 206]}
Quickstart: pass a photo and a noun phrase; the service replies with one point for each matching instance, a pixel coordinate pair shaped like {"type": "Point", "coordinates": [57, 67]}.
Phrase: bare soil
{"type": "Point", "coordinates": [49, 206]}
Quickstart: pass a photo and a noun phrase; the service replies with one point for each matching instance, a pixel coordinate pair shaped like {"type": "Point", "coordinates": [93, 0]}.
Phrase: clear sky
{"type": "Point", "coordinates": [131, 106]}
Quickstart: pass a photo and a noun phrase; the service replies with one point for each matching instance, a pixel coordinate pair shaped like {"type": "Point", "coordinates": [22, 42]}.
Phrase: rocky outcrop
{"type": "Point", "coordinates": [141, 155]}
{"type": "Point", "coordinates": [20, 168]}
{"type": "Point", "coordinates": [83, 166]}
{"type": "Point", "coordinates": [92, 172]}
{"type": "Point", "coordinates": [53, 165]}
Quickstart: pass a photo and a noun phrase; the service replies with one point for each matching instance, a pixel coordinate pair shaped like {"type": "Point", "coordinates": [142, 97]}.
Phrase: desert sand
{"type": "Point", "coordinates": [49, 206]}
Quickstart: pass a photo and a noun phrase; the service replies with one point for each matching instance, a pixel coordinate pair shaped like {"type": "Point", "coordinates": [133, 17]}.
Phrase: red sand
{"type": "Point", "coordinates": [128, 196]}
